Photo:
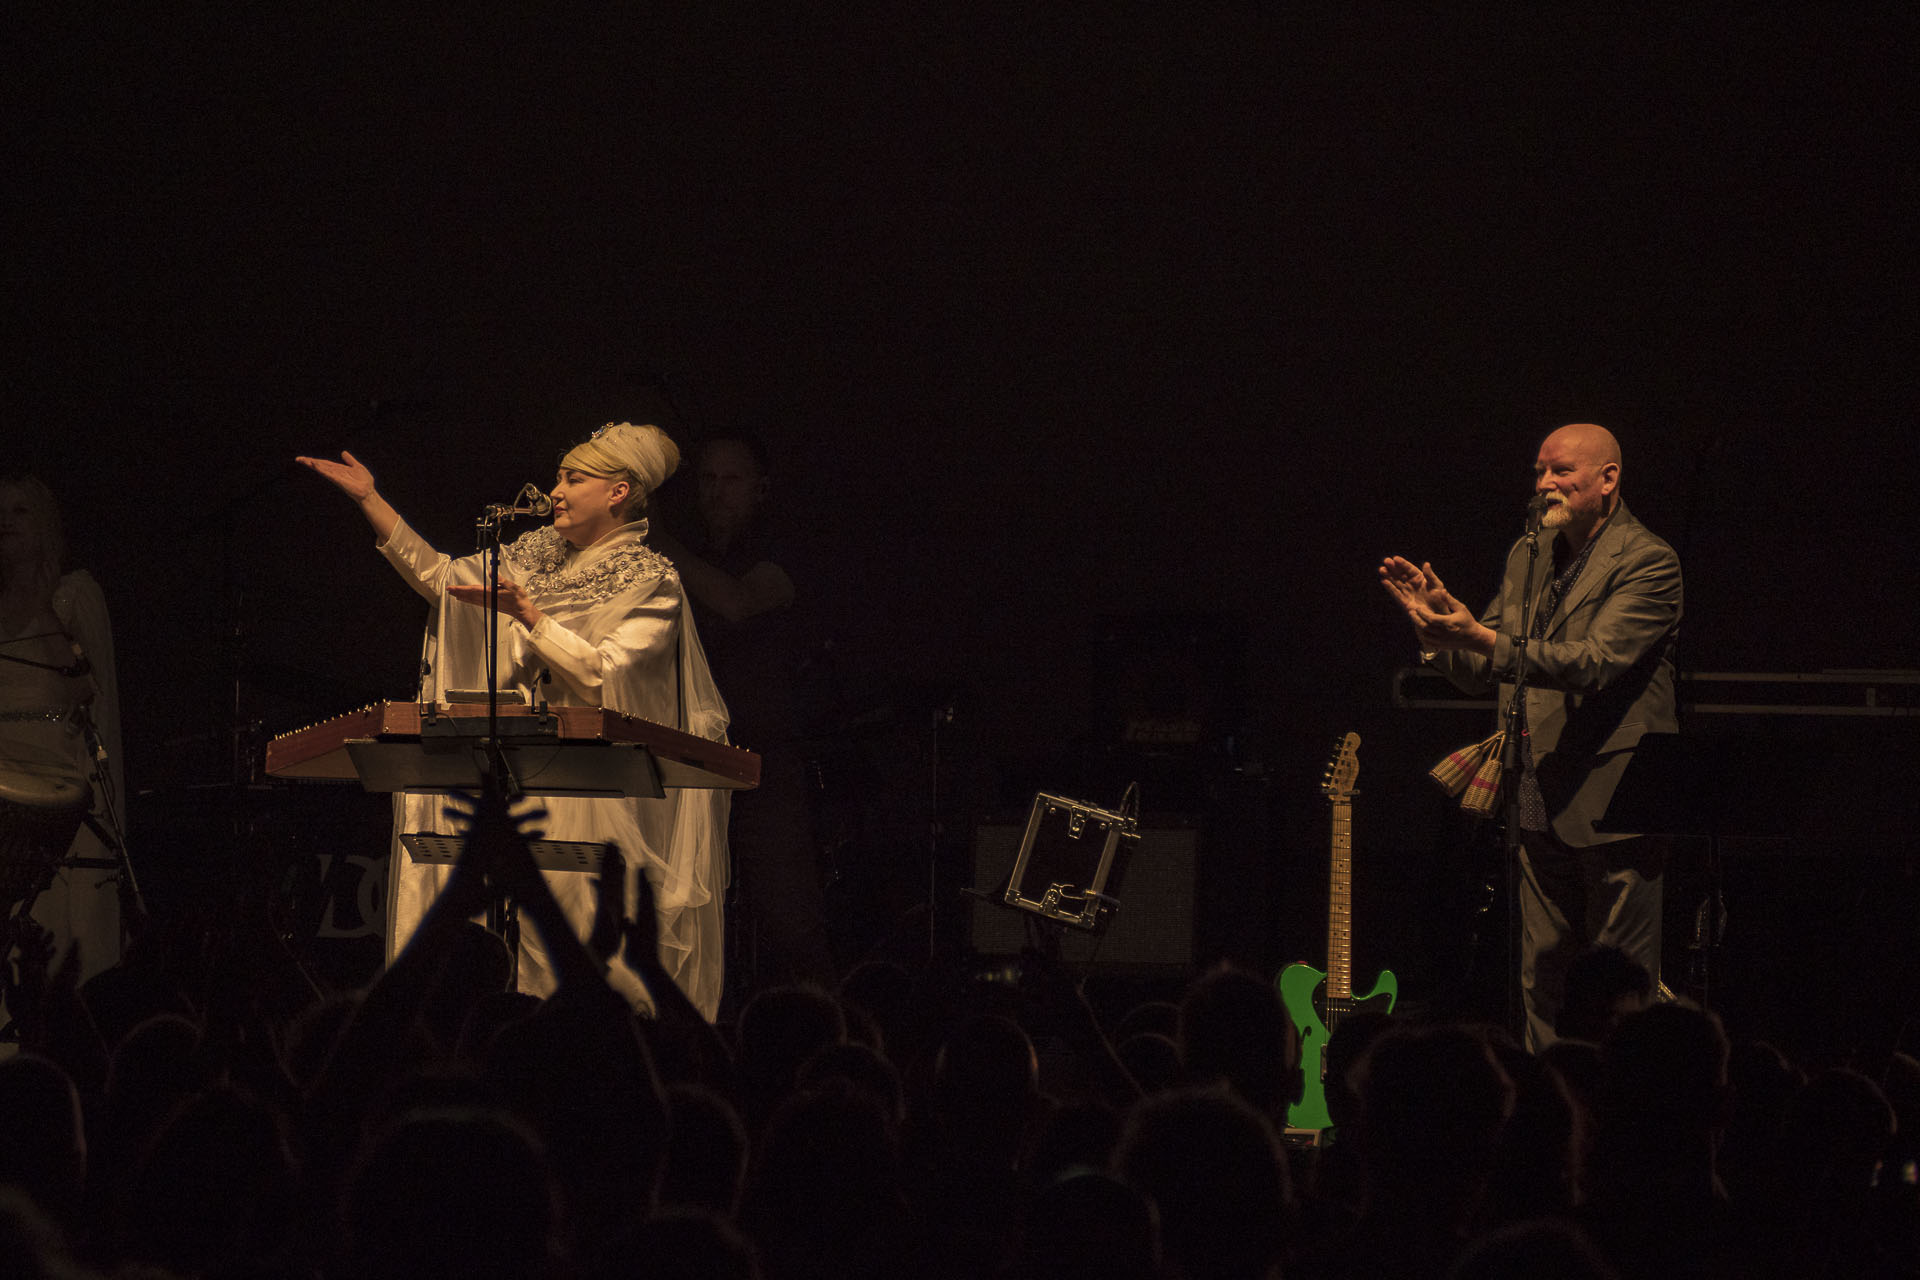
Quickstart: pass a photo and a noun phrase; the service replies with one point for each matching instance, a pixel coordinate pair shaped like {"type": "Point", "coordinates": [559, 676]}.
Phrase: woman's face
{"type": "Point", "coordinates": [21, 528]}
{"type": "Point", "coordinates": [584, 505]}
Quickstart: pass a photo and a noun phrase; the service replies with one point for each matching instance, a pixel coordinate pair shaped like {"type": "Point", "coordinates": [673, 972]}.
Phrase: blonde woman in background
{"type": "Point", "coordinates": [59, 734]}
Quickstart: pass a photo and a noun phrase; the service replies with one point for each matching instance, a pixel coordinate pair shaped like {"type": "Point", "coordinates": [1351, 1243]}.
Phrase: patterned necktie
{"type": "Point", "coordinates": [1533, 805]}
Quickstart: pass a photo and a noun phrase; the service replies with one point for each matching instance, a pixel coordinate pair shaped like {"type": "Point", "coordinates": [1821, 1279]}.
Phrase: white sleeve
{"type": "Point", "coordinates": [587, 668]}
{"type": "Point", "coordinates": [427, 571]}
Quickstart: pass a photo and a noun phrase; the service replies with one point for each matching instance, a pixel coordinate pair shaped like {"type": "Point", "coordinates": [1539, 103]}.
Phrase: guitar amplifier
{"type": "Point", "coordinates": [1152, 925]}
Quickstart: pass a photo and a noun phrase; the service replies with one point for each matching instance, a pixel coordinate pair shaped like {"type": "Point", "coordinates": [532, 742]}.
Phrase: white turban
{"type": "Point", "coordinates": [643, 456]}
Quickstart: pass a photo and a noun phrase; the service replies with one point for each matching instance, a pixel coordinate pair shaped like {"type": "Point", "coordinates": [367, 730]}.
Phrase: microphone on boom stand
{"type": "Point", "coordinates": [532, 500]}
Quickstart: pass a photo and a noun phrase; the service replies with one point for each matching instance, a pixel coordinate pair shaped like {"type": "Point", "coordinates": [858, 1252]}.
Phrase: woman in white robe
{"type": "Point", "coordinates": [59, 719]}
{"type": "Point", "coordinates": [586, 602]}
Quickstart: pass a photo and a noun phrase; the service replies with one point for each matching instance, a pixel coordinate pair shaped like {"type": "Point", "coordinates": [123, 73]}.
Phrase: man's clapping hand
{"type": "Point", "coordinates": [1440, 621]}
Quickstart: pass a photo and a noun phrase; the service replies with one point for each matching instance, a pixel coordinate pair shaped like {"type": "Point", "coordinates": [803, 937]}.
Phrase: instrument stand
{"type": "Point", "coordinates": [112, 834]}
{"type": "Point", "coordinates": [1045, 937]}
{"type": "Point", "coordinates": [132, 903]}
{"type": "Point", "coordinates": [740, 979]}
{"type": "Point", "coordinates": [936, 827]}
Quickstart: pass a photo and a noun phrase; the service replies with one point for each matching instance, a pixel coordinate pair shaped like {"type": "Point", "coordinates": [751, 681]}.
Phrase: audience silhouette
{"type": "Point", "coordinates": [197, 1112]}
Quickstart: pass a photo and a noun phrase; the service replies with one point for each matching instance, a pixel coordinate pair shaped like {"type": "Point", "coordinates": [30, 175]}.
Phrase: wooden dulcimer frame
{"type": "Point", "coordinates": [409, 746]}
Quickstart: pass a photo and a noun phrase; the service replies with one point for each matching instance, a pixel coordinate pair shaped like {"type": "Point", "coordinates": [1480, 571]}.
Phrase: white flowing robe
{"type": "Point", "coordinates": [616, 634]}
{"type": "Point", "coordinates": [40, 729]}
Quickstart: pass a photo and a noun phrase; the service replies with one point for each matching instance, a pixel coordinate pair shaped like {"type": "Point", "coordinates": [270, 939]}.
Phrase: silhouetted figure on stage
{"type": "Point", "coordinates": [742, 600]}
{"type": "Point", "coordinates": [1604, 985]}
{"type": "Point", "coordinates": [1604, 602]}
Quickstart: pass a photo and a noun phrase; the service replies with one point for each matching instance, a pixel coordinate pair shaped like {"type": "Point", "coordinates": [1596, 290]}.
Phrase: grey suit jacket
{"type": "Point", "coordinates": [1602, 676]}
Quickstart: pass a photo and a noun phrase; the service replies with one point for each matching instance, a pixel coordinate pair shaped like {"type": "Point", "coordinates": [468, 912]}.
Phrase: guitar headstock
{"type": "Point", "coordinates": [1344, 769]}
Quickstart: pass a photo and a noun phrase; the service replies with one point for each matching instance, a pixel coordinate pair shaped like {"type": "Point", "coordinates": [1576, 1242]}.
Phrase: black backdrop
{"type": "Point", "coordinates": [1050, 318]}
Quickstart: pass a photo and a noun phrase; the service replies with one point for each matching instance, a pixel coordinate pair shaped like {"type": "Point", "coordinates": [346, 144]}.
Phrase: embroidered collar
{"type": "Point", "coordinates": [550, 566]}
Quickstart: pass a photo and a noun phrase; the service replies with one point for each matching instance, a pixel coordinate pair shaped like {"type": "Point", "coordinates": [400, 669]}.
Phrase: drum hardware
{"type": "Point", "coordinates": [112, 832]}
{"type": "Point", "coordinates": [45, 800]}
{"type": "Point", "coordinates": [42, 804]}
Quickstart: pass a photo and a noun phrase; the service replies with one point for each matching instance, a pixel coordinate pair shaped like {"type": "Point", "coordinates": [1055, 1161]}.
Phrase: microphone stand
{"type": "Point", "coordinates": [529, 502]}
{"type": "Point", "coordinates": [1510, 764]}
{"type": "Point", "coordinates": [497, 770]}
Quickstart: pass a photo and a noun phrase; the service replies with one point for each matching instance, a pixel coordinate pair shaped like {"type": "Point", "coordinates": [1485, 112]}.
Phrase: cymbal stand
{"type": "Point", "coordinates": [112, 833]}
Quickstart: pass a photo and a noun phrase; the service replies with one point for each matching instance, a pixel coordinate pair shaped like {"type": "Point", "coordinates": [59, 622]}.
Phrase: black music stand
{"type": "Point", "coordinates": [1070, 868]}
{"type": "Point", "coordinates": [541, 765]}
{"type": "Point", "coordinates": [548, 855]}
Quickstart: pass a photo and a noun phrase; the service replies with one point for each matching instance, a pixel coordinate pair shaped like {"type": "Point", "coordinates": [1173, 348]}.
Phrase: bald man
{"type": "Point", "coordinates": [1606, 604]}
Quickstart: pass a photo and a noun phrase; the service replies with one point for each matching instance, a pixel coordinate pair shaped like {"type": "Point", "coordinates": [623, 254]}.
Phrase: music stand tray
{"type": "Point", "coordinates": [543, 768]}
{"type": "Point", "coordinates": [548, 855]}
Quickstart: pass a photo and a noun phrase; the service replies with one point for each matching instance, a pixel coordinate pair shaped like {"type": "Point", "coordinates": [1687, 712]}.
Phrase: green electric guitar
{"type": "Point", "coordinates": [1317, 1001]}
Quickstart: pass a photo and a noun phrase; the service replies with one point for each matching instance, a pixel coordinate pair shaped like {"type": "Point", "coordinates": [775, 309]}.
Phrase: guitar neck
{"type": "Point", "coordinates": [1340, 904]}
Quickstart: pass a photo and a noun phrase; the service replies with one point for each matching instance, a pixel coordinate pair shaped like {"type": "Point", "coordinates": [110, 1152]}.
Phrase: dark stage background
{"type": "Point", "coordinates": [1070, 332]}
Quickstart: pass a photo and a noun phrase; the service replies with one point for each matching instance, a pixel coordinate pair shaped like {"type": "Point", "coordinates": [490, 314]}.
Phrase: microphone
{"type": "Point", "coordinates": [1536, 511]}
{"type": "Point", "coordinates": [535, 499]}
{"type": "Point", "coordinates": [532, 500]}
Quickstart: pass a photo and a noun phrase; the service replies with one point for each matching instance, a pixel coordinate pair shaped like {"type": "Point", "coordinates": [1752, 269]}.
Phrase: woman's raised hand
{"type": "Point", "coordinates": [349, 475]}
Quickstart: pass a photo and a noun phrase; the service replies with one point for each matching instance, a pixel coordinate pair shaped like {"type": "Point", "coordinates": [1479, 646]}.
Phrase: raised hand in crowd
{"type": "Point", "coordinates": [687, 1046]}
{"type": "Point", "coordinates": [610, 908]}
{"type": "Point", "coordinates": [642, 937]}
{"type": "Point", "coordinates": [26, 978]}
{"type": "Point", "coordinates": [50, 1017]}
{"type": "Point", "coordinates": [377, 1042]}
{"type": "Point", "coordinates": [1062, 1000]}
{"type": "Point", "coordinates": [501, 848]}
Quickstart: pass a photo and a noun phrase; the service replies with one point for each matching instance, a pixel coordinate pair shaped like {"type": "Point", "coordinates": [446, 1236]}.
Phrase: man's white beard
{"type": "Point", "coordinates": [1556, 516]}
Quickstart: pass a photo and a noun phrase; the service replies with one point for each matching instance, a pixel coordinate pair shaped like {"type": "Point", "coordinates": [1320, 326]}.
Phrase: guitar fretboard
{"type": "Point", "coordinates": [1340, 904]}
